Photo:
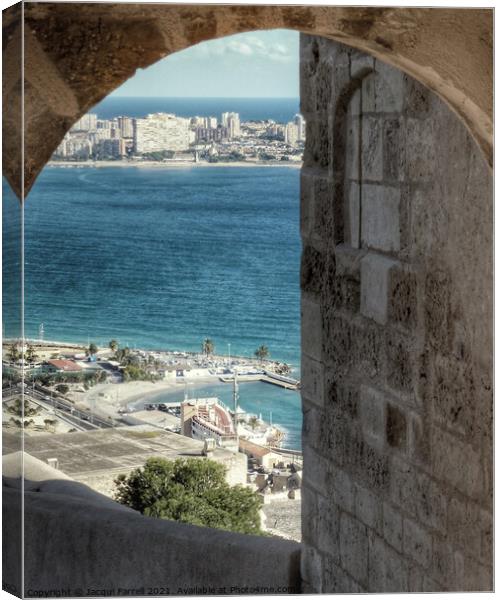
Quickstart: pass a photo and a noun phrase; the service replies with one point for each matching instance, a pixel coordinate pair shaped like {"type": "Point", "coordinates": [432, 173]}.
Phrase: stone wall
{"type": "Point", "coordinates": [76, 541]}
{"type": "Point", "coordinates": [396, 334]}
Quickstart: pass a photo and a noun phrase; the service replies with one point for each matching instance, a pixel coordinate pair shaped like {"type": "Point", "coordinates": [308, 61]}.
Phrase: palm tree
{"type": "Point", "coordinates": [207, 346]}
{"type": "Point", "coordinates": [262, 352]}
{"type": "Point", "coordinates": [91, 350]}
{"type": "Point", "coordinates": [31, 355]}
{"type": "Point", "coordinates": [13, 354]}
{"type": "Point", "coordinates": [113, 345]}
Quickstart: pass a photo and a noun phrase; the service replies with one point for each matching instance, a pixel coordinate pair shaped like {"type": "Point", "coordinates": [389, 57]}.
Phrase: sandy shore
{"type": "Point", "coordinates": [151, 164]}
{"type": "Point", "coordinates": [106, 399]}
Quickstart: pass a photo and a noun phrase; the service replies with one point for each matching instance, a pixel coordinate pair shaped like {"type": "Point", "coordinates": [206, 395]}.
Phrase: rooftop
{"type": "Point", "coordinates": [97, 457]}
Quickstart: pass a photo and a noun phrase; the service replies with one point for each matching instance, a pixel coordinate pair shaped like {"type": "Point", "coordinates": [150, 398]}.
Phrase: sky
{"type": "Point", "coordinates": [259, 64]}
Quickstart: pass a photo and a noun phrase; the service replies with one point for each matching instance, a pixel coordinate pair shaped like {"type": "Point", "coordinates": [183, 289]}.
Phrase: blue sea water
{"type": "Point", "coordinates": [280, 110]}
{"type": "Point", "coordinates": [162, 258]}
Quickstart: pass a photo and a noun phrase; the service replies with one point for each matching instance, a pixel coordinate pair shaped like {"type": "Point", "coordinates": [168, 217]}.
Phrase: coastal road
{"type": "Point", "coordinates": [82, 418]}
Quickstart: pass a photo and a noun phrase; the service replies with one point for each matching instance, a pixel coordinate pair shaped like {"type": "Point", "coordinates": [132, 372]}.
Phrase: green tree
{"type": "Point", "coordinates": [207, 347]}
{"type": "Point", "coordinates": [31, 355]}
{"type": "Point", "coordinates": [14, 353]}
{"type": "Point", "coordinates": [113, 345]}
{"type": "Point", "coordinates": [91, 350]}
{"type": "Point", "coordinates": [62, 388]}
{"type": "Point", "coordinates": [191, 491]}
{"type": "Point", "coordinates": [262, 352]}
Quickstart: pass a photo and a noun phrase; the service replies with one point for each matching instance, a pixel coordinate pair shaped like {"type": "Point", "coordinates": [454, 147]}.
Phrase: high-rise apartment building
{"type": "Point", "coordinates": [231, 121]}
{"type": "Point", "coordinates": [86, 123]}
{"type": "Point", "coordinates": [301, 125]}
{"type": "Point", "coordinates": [291, 133]}
{"type": "Point", "coordinates": [161, 131]}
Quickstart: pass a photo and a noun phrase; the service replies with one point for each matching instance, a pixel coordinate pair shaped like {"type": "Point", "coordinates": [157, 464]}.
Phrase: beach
{"type": "Point", "coordinates": [107, 399]}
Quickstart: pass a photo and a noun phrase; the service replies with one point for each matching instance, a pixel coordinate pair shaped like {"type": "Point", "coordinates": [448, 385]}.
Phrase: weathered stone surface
{"type": "Point", "coordinates": [392, 525]}
{"type": "Point", "coordinates": [403, 298]}
{"type": "Point", "coordinates": [372, 406]}
{"type": "Point", "coordinates": [417, 543]}
{"type": "Point", "coordinates": [395, 427]}
{"type": "Point", "coordinates": [380, 217]}
{"type": "Point", "coordinates": [375, 278]}
{"type": "Point", "coordinates": [354, 548]}
{"type": "Point", "coordinates": [388, 571]}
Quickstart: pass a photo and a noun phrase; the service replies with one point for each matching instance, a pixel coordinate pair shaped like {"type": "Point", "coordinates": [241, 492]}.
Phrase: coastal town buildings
{"type": "Point", "coordinates": [194, 139]}
{"type": "Point", "coordinates": [161, 131]}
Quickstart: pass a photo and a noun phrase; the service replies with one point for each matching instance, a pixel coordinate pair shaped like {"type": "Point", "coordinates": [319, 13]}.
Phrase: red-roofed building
{"type": "Point", "coordinates": [64, 366]}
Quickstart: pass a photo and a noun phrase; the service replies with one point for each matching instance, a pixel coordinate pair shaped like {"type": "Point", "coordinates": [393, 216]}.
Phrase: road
{"type": "Point", "coordinates": [83, 419]}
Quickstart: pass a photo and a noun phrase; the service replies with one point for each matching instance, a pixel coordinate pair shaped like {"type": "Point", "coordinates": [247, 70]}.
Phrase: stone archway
{"type": "Point", "coordinates": [76, 54]}
{"type": "Point", "coordinates": [396, 343]}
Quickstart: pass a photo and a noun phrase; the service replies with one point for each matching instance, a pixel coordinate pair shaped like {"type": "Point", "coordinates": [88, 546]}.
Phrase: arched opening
{"type": "Point", "coordinates": [396, 381]}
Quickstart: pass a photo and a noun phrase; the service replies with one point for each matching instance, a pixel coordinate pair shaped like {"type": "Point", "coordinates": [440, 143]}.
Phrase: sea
{"type": "Point", "coordinates": [163, 258]}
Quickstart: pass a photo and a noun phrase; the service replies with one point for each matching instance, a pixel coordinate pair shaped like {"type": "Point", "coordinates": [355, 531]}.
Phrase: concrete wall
{"type": "Point", "coordinates": [76, 540]}
{"type": "Point", "coordinates": [396, 334]}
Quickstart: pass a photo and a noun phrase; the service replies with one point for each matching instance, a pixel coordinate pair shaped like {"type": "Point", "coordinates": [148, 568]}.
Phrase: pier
{"type": "Point", "coordinates": [288, 383]}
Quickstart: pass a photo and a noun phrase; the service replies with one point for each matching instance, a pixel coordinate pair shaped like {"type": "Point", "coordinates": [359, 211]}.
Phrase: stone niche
{"type": "Point", "coordinates": [397, 333]}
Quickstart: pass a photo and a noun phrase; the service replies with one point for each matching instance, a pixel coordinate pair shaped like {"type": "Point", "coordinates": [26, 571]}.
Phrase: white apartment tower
{"type": "Point", "coordinates": [231, 121]}
{"type": "Point", "coordinates": [291, 133]}
{"type": "Point", "coordinates": [301, 125]}
{"type": "Point", "coordinates": [86, 123]}
{"type": "Point", "coordinates": [161, 131]}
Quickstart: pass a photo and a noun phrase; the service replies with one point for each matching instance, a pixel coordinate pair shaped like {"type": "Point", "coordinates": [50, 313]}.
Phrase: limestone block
{"type": "Point", "coordinates": [368, 102]}
{"type": "Point", "coordinates": [323, 208]}
{"type": "Point", "coordinates": [453, 397]}
{"type": "Point", "coordinates": [403, 298]}
{"type": "Point", "coordinates": [342, 491]}
{"type": "Point", "coordinates": [418, 440]}
{"type": "Point", "coordinates": [347, 260]}
{"type": "Point", "coordinates": [311, 567]}
{"type": "Point", "coordinates": [388, 570]}
{"type": "Point", "coordinates": [400, 361]}
{"type": "Point", "coordinates": [420, 149]}
{"type": "Point", "coordinates": [457, 463]}
{"type": "Point", "coordinates": [337, 581]}
{"type": "Point", "coordinates": [312, 381]}
{"type": "Point", "coordinates": [352, 149]}
{"type": "Point", "coordinates": [466, 526]}
{"type": "Point", "coordinates": [420, 495]}
{"type": "Point", "coordinates": [380, 217]}
{"type": "Point", "coordinates": [396, 426]}
{"type": "Point", "coordinates": [394, 149]}
{"type": "Point", "coordinates": [368, 508]}
{"type": "Point", "coordinates": [315, 470]}
{"type": "Point", "coordinates": [312, 270]}
{"type": "Point", "coordinates": [372, 415]}
{"type": "Point", "coordinates": [354, 106]}
{"type": "Point", "coordinates": [354, 548]}
{"type": "Point", "coordinates": [417, 543]}
{"type": "Point", "coordinates": [392, 525]}
{"type": "Point", "coordinates": [375, 273]}
{"type": "Point", "coordinates": [390, 88]}
{"type": "Point", "coordinates": [306, 203]}
{"type": "Point", "coordinates": [371, 149]}
{"type": "Point", "coordinates": [311, 329]}
{"type": "Point", "coordinates": [328, 529]}
{"type": "Point", "coordinates": [354, 213]}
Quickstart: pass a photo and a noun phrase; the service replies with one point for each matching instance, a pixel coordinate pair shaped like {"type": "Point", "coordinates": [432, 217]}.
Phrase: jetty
{"type": "Point", "coordinates": [288, 383]}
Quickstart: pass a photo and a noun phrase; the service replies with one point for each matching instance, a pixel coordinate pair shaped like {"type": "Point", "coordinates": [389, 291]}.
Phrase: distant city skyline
{"type": "Point", "coordinates": [261, 64]}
